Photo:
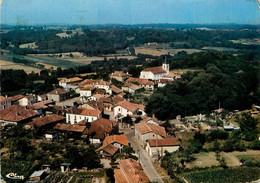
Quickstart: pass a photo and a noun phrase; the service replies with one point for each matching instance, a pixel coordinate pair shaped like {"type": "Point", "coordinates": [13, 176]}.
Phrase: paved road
{"type": "Point", "coordinates": [144, 159]}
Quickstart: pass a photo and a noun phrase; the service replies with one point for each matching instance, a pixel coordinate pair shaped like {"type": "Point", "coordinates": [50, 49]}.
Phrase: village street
{"type": "Point", "coordinates": [144, 159]}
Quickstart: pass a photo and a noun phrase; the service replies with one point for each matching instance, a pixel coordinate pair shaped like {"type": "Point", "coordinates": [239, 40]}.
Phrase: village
{"type": "Point", "coordinates": [111, 119]}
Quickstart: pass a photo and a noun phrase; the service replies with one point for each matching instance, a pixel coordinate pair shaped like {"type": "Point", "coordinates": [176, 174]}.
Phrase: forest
{"type": "Point", "coordinates": [108, 39]}
{"type": "Point", "coordinates": [223, 80]}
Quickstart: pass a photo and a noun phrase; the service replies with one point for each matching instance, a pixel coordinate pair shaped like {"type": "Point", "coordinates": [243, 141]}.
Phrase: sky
{"type": "Point", "coordinates": [71, 12]}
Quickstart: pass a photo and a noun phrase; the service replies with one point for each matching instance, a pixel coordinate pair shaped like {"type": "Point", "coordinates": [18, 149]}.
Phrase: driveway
{"type": "Point", "coordinates": [144, 159]}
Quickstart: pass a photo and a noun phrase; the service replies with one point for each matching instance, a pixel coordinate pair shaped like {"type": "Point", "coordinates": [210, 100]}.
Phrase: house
{"type": "Point", "coordinates": [152, 120]}
{"type": "Point", "coordinates": [119, 76]}
{"type": "Point", "coordinates": [100, 128]}
{"type": "Point", "coordinates": [36, 176]}
{"type": "Point", "coordinates": [148, 85]}
{"type": "Point", "coordinates": [155, 73]}
{"type": "Point", "coordinates": [146, 131]}
{"type": "Point", "coordinates": [80, 114]}
{"type": "Point", "coordinates": [104, 85]}
{"type": "Point", "coordinates": [40, 107]}
{"type": "Point", "coordinates": [51, 135]}
{"type": "Point", "coordinates": [65, 167]}
{"type": "Point", "coordinates": [86, 91]}
{"type": "Point", "coordinates": [74, 129]}
{"type": "Point", "coordinates": [95, 105]}
{"type": "Point", "coordinates": [130, 171]}
{"type": "Point", "coordinates": [116, 140]}
{"type": "Point", "coordinates": [157, 147]}
{"type": "Point", "coordinates": [171, 76]}
{"type": "Point", "coordinates": [132, 88]}
{"type": "Point", "coordinates": [5, 102]}
{"type": "Point", "coordinates": [70, 83]}
{"type": "Point", "coordinates": [46, 122]}
{"type": "Point", "coordinates": [115, 90]}
{"type": "Point", "coordinates": [126, 108]}
{"type": "Point", "coordinates": [95, 97]}
{"type": "Point", "coordinates": [16, 98]}
{"type": "Point", "coordinates": [162, 82]}
{"type": "Point", "coordinates": [28, 100]}
{"type": "Point", "coordinates": [107, 151]}
{"type": "Point", "coordinates": [16, 114]}
{"type": "Point", "coordinates": [58, 95]}
{"type": "Point", "coordinates": [41, 98]}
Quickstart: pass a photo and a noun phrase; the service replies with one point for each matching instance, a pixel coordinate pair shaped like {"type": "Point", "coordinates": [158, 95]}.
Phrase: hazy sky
{"type": "Point", "coordinates": [129, 11]}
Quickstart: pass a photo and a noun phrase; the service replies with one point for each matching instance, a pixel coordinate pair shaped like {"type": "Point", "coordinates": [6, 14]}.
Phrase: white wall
{"type": "Point", "coordinates": [75, 118]}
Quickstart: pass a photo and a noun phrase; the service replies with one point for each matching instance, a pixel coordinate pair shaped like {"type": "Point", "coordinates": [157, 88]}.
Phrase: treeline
{"type": "Point", "coordinates": [107, 40]}
{"type": "Point", "coordinates": [223, 79]}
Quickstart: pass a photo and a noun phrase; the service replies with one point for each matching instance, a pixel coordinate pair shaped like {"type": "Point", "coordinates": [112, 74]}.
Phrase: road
{"type": "Point", "coordinates": [144, 159]}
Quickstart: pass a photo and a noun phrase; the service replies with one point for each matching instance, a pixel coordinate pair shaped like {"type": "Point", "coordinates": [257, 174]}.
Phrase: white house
{"type": "Point", "coordinates": [80, 114]}
{"type": "Point", "coordinates": [70, 82]}
{"type": "Point", "coordinates": [28, 100]}
{"type": "Point", "coordinates": [126, 108]}
{"type": "Point", "coordinates": [155, 73]}
{"type": "Point", "coordinates": [157, 147]}
{"type": "Point", "coordinates": [104, 85]}
{"type": "Point", "coordinates": [86, 91]}
{"type": "Point", "coordinates": [132, 88]}
{"type": "Point", "coordinates": [146, 131]}
{"type": "Point", "coordinates": [5, 102]}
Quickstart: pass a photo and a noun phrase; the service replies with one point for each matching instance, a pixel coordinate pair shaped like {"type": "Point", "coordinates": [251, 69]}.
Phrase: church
{"type": "Point", "coordinates": [155, 73]}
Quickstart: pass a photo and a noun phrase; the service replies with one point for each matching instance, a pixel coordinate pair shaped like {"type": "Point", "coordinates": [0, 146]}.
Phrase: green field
{"type": "Point", "coordinates": [231, 175]}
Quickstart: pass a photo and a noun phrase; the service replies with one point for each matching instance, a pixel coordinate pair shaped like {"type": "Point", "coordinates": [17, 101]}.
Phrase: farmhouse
{"type": "Point", "coordinates": [70, 82]}
{"type": "Point", "coordinates": [126, 108]}
{"type": "Point", "coordinates": [118, 141]}
{"type": "Point", "coordinates": [107, 151]}
{"type": "Point", "coordinates": [80, 114]}
{"type": "Point", "coordinates": [157, 147]}
{"type": "Point", "coordinates": [16, 114]}
{"type": "Point", "coordinates": [58, 95]}
{"type": "Point", "coordinates": [130, 171]}
{"type": "Point", "coordinates": [132, 88]}
{"type": "Point", "coordinates": [28, 100]}
{"type": "Point", "coordinates": [120, 76]}
{"type": "Point", "coordinates": [148, 85]}
{"type": "Point", "coordinates": [5, 102]}
{"type": "Point", "coordinates": [146, 131]}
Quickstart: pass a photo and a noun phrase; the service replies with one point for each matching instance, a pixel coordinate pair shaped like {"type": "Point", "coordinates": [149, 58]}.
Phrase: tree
{"type": "Point", "coordinates": [128, 150]}
{"type": "Point", "coordinates": [248, 126]}
{"type": "Point", "coordinates": [216, 146]}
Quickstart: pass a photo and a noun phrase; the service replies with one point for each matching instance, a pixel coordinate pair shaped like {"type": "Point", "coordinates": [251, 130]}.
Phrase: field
{"type": "Point", "coordinates": [162, 51]}
{"type": "Point", "coordinates": [232, 175]}
{"type": "Point", "coordinates": [208, 159]}
{"type": "Point", "coordinates": [28, 45]}
{"type": "Point", "coordinates": [247, 41]}
{"type": "Point", "coordinates": [11, 65]}
{"type": "Point", "coordinates": [221, 49]}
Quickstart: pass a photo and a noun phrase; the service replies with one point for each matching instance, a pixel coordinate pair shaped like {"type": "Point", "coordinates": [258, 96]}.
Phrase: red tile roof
{"type": "Point", "coordinates": [130, 172]}
{"type": "Point", "coordinates": [54, 118]}
{"type": "Point", "coordinates": [2, 98]}
{"type": "Point", "coordinates": [58, 91]}
{"type": "Point", "coordinates": [88, 82]}
{"type": "Point", "coordinates": [69, 127]}
{"type": "Point", "coordinates": [109, 148]}
{"type": "Point", "coordinates": [16, 113]}
{"type": "Point", "coordinates": [101, 127]}
{"type": "Point", "coordinates": [118, 73]}
{"type": "Point", "coordinates": [121, 139]}
{"type": "Point", "coordinates": [40, 105]}
{"type": "Point", "coordinates": [164, 142]}
{"type": "Point", "coordinates": [86, 112]}
{"type": "Point", "coordinates": [115, 89]}
{"type": "Point", "coordinates": [71, 80]}
{"type": "Point", "coordinates": [144, 128]}
{"type": "Point", "coordinates": [132, 86]}
{"type": "Point", "coordinates": [16, 97]}
{"type": "Point", "coordinates": [140, 81]}
{"type": "Point", "coordinates": [130, 106]}
{"type": "Point", "coordinates": [155, 70]}
{"type": "Point", "coordinates": [87, 88]}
